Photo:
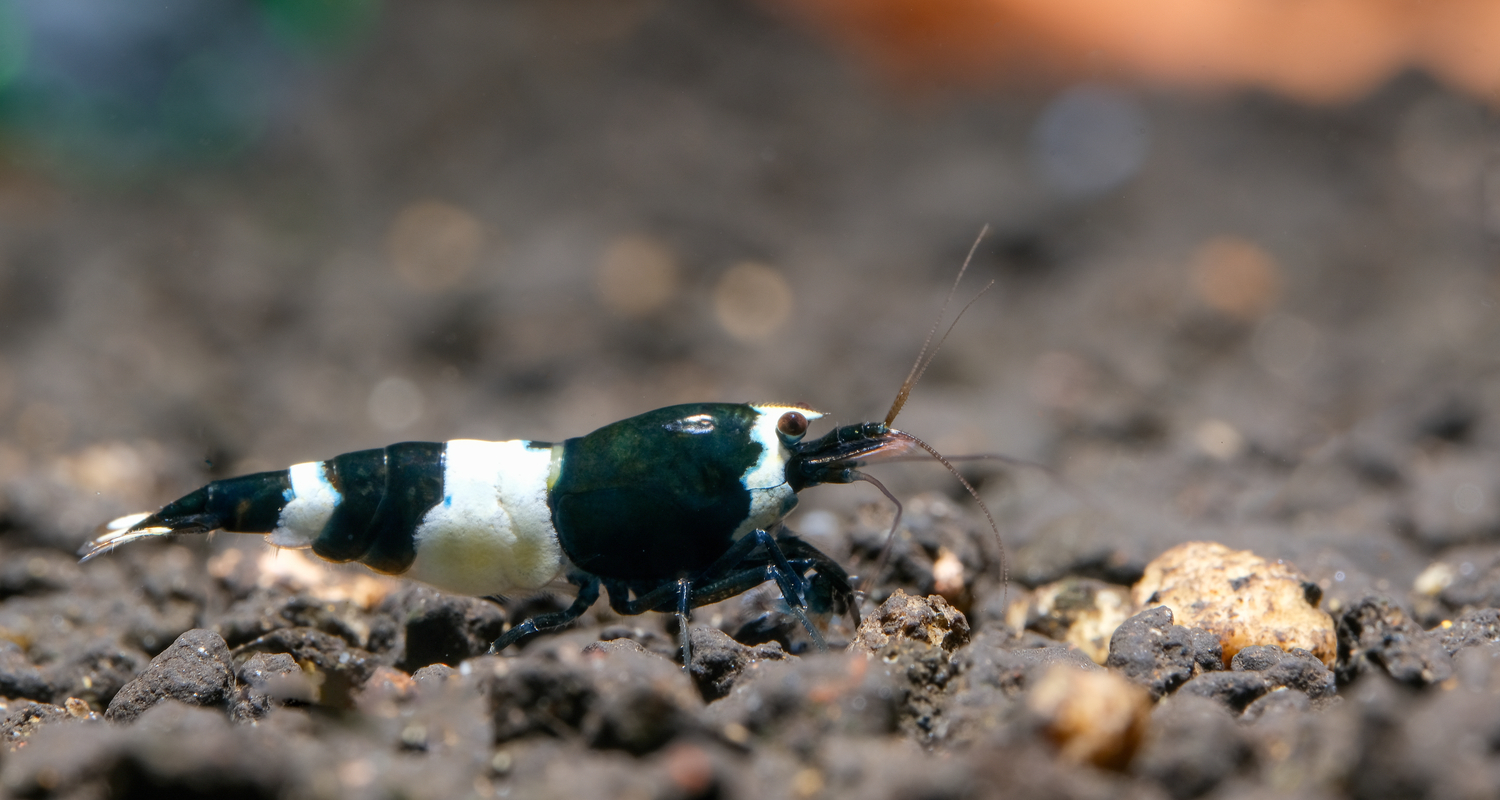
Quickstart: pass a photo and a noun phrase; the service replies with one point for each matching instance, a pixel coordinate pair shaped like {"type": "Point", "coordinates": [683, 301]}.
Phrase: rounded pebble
{"type": "Point", "coordinates": [1240, 597]}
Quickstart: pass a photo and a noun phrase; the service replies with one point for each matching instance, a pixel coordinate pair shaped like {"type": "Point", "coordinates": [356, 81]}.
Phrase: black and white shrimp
{"type": "Point", "coordinates": [665, 511]}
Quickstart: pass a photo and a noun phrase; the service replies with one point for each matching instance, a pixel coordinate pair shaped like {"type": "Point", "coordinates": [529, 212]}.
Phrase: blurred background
{"type": "Point", "coordinates": [1245, 253]}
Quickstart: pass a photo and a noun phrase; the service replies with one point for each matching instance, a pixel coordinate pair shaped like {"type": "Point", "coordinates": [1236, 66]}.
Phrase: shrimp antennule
{"type": "Point", "coordinates": [924, 359]}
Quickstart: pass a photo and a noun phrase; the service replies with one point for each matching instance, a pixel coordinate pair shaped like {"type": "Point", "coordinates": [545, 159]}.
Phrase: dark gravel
{"type": "Point", "coordinates": [1194, 746]}
{"type": "Point", "coordinates": [195, 670]}
{"type": "Point", "coordinates": [19, 678]}
{"type": "Point", "coordinates": [1376, 634]}
{"type": "Point", "coordinates": [1294, 669]}
{"type": "Point", "coordinates": [571, 711]}
{"type": "Point", "coordinates": [440, 628]}
{"type": "Point", "coordinates": [1160, 656]}
{"type": "Point", "coordinates": [267, 680]}
{"type": "Point", "coordinates": [719, 661]}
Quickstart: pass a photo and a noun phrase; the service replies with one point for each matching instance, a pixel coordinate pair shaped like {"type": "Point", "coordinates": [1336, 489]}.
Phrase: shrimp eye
{"type": "Point", "coordinates": [792, 425]}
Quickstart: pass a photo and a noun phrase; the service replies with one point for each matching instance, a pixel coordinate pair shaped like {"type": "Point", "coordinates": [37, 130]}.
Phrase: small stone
{"type": "Point", "coordinates": [443, 628]}
{"type": "Point", "coordinates": [1434, 579]}
{"type": "Point", "coordinates": [1478, 668]}
{"type": "Point", "coordinates": [610, 646]}
{"type": "Point", "coordinates": [659, 642]}
{"type": "Point", "coordinates": [268, 680]}
{"type": "Point", "coordinates": [1156, 654]}
{"type": "Point", "coordinates": [1192, 746]}
{"type": "Point", "coordinates": [1256, 657]}
{"type": "Point", "coordinates": [718, 661]}
{"type": "Point", "coordinates": [1235, 690]}
{"type": "Point", "coordinates": [690, 769]}
{"type": "Point", "coordinates": [1278, 701]}
{"type": "Point", "coordinates": [261, 669]}
{"type": "Point", "coordinates": [902, 616]}
{"type": "Point", "coordinates": [266, 610]}
{"type": "Point", "coordinates": [1376, 633]}
{"type": "Point", "coordinates": [433, 675]}
{"type": "Point", "coordinates": [915, 639]}
{"type": "Point", "coordinates": [614, 695]}
{"type": "Point", "coordinates": [642, 702]}
{"type": "Point", "coordinates": [1036, 660]}
{"type": "Point", "coordinates": [1082, 612]}
{"type": "Point", "coordinates": [1240, 597]}
{"type": "Point", "coordinates": [1297, 669]}
{"type": "Point", "coordinates": [193, 670]}
{"type": "Point", "coordinates": [19, 720]}
{"type": "Point", "coordinates": [1208, 652]}
{"type": "Point", "coordinates": [387, 688]}
{"type": "Point", "coordinates": [528, 696]}
{"type": "Point", "coordinates": [800, 704]}
{"type": "Point", "coordinates": [18, 676]}
{"type": "Point", "coordinates": [1303, 671]}
{"type": "Point", "coordinates": [1471, 583]}
{"type": "Point", "coordinates": [1096, 717]}
{"type": "Point", "coordinates": [77, 709]}
{"type": "Point", "coordinates": [1474, 628]}
{"type": "Point", "coordinates": [93, 671]}
{"type": "Point", "coordinates": [335, 670]}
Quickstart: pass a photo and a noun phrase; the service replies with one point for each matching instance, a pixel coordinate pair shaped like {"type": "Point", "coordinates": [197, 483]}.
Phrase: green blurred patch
{"type": "Point", "coordinates": [213, 107]}
{"type": "Point", "coordinates": [12, 43]}
{"type": "Point", "coordinates": [196, 87]}
{"type": "Point", "coordinates": [319, 25]}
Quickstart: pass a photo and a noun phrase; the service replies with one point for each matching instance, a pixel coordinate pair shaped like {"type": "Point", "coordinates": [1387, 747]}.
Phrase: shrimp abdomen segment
{"type": "Point", "coordinates": [464, 516]}
{"type": "Point", "coordinates": [408, 484]}
{"type": "Point", "coordinates": [491, 532]}
{"type": "Point", "coordinates": [250, 503]}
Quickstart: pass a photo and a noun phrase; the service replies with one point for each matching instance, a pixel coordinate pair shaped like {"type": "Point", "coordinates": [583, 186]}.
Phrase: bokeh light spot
{"type": "Point", "coordinates": [434, 244]}
{"type": "Point", "coordinates": [1219, 439]}
{"type": "Point", "coordinates": [752, 301]}
{"type": "Point", "coordinates": [636, 276]}
{"type": "Point", "coordinates": [394, 404]}
{"type": "Point", "coordinates": [1089, 140]}
{"type": "Point", "coordinates": [1236, 278]}
{"type": "Point", "coordinates": [1468, 499]}
{"type": "Point", "coordinates": [1443, 143]}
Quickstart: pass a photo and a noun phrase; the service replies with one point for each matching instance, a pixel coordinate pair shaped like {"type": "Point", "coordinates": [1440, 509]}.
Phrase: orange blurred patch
{"type": "Point", "coordinates": [1236, 278]}
{"type": "Point", "coordinates": [1315, 50]}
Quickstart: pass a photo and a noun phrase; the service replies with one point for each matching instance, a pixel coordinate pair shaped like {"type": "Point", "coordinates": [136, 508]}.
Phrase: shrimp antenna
{"type": "Point", "coordinates": [918, 368]}
{"type": "Point", "coordinates": [1078, 493]}
{"type": "Point", "coordinates": [885, 552]}
{"type": "Point", "coordinates": [923, 357]}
